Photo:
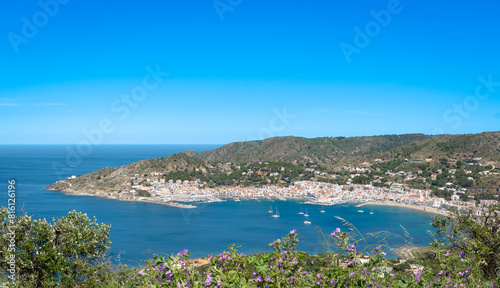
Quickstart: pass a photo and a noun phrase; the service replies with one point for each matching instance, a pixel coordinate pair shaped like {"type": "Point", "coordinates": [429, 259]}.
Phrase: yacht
{"type": "Point", "coordinates": [307, 222]}
{"type": "Point", "coordinates": [301, 213]}
{"type": "Point", "coordinates": [322, 209]}
{"type": "Point", "coordinates": [270, 210]}
{"type": "Point", "coordinates": [307, 215]}
{"type": "Point", "coordinates": [277, 215]}
{"type": "Point", "coordinates": [361, 211]}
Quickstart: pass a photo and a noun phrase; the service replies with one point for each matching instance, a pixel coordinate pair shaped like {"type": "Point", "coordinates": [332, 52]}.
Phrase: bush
{"type": "Point", "coordinates": [69, 252]}
{"type": "Point", "coordinates": [476, 233]}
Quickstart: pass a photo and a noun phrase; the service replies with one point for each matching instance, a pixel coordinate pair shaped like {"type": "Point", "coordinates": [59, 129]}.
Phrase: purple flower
{"type": "Point", "coordinates": [141, 273]}
{"type": "Point", "coordinates": [441, 273]}
{"type": "Point", "coordinates": [392, 274]}
{"type": "Point", "coordinates": [209, 280]}
{"type": "Point", "coordinates": [462, 254]}
{"type": "Point", "coordinates": [182, 252]}
{"type": "Point", "coordinates": [378, 247]}
{"type": "Point", "coordinates": [293, 231]}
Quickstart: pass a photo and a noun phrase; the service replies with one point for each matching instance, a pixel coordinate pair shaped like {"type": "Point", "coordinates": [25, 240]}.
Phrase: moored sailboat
{"type": "Point", "coordinates": [277, 215]}
{"type": "Point", "coordinates": [307, 222]}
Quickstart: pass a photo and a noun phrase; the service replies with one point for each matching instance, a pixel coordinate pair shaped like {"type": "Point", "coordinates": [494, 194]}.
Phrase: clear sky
{"type": "Point", "coordinates": [245, 69]}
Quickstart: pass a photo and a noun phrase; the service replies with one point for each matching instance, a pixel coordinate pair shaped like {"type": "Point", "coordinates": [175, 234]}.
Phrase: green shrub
{"type": "Point", "coordinates": [69, 252]}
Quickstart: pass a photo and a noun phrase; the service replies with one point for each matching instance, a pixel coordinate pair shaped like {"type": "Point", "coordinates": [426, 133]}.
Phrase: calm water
{"type": "Point", "coordinates": [138, 227]}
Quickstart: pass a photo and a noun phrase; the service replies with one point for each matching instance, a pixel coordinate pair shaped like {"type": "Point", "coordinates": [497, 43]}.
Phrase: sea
{"type": "Point", "coordinates": [141, 230]}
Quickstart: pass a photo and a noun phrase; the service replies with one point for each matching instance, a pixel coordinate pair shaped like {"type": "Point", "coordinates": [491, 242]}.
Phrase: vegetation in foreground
{"type": "Point", "coordinates": [72, 252]}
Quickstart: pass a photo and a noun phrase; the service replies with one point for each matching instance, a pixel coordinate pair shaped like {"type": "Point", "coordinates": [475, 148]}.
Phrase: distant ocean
{"type": "Point", "coordinates": [140, 228]}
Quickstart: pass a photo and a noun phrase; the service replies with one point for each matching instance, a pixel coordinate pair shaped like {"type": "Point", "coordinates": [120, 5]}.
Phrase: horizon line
{"type": "Point", "coordinates": [4, 144]}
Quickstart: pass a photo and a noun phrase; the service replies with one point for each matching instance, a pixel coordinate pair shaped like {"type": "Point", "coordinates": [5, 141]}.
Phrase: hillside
{"type": "Point", "coordinates": [484, 145]}
{"type": "Point", "coordinates": [421, 161]}
{"type": "Point", "coordinates": [111, 180]}
{"type": "Point", "coordinates": [303, 150]}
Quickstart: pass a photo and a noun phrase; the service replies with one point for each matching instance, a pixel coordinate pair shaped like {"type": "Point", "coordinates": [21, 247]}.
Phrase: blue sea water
{"type": "Point", "coordinates": [141, 228]}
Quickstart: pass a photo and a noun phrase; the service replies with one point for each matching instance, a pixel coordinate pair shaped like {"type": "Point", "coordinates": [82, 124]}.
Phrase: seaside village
{"type": "Point", "coordinates": [319, 193]}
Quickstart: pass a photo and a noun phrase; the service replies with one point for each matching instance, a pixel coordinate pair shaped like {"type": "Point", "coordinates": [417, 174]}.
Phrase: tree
{"type": "Point", "coordinates": [476, 232]}
{"type": "Point", "coordinates": [70, 252]}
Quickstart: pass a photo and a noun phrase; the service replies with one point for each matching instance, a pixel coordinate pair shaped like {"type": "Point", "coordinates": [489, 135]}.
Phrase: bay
{"type": "Point", "coordinates": [140, 229]}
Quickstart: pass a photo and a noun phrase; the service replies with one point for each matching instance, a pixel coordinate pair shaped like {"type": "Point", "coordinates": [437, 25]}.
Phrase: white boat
{"type": "Point", "coordinates": [270, 210]}
{"type": "Point", "coordinates": [361, 211]}
{"type": "Point", "coordinates": [307, 222]}
{"type": "Point", "coordinates": [301, 213]}
{"type": "Point", "coordinates": [322, 209]}
{"type": "Point", "coordinates": [371, 212]}
{"type": "Point", "coordinates": [307, 215]}
{"type": "Point", "coordinates": [277, 215]}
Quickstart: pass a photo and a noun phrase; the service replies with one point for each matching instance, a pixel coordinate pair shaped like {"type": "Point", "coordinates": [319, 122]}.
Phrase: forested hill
{"type": "Point", "coordinates": [485, 146]}
{"type": "Point", "coordinates": [301, 150]}
{"type": "Point", "coordinates": [410, 152]}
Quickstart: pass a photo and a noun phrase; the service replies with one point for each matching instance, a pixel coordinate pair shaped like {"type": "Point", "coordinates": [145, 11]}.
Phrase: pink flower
{"type": "Point", "coordinates": [293, 231]}
{"type": "Point", "coordinates": [337, 231]}
{"type": "Point", "coordinates": [182, 252]}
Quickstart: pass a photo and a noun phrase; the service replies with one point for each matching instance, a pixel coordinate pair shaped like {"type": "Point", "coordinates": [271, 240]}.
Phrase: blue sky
{"type": "Point", "coordinates": [245, 70]}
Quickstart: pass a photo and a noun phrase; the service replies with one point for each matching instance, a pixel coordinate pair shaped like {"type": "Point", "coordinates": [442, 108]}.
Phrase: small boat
{"type": "Point", "coordinates": [277, 215]}
{"type": "Point", "coordinates": [307, 222]}
{"type": "Point", "coordinates": [361, 211]}
{"type": "Point", "coordinates": [301, 213]}
{"type": "Point", "coordinates": [236, 199]}
{"type": "Point", "coordinates": [307, 215]}
{"type": "Point", "coordinates": [371, 212]}
{"type": "Point", "coordinates": [351, 229]}
{"type": "Point", "coordinates": [270, 210]}
{"type": "Point", "coordinates": [322, 209]}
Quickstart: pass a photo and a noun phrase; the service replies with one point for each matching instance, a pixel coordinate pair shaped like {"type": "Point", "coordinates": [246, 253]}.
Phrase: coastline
{"type": "Point", "coordinates": [424, 209]}
{"type": "Point", "coordinates": [171, 204]}
{"type": "Point", "coordinates": [414, 207]}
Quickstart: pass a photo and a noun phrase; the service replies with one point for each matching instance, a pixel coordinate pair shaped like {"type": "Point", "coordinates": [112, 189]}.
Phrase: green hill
{"type": "Point", "coordinates": [422, 155]}
{"type": "Point", "coordinates": [302, 150]}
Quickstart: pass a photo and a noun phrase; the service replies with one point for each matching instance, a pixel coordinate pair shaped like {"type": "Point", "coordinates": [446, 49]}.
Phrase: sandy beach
{"type": "Point", "coordinates": [419, 208]}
